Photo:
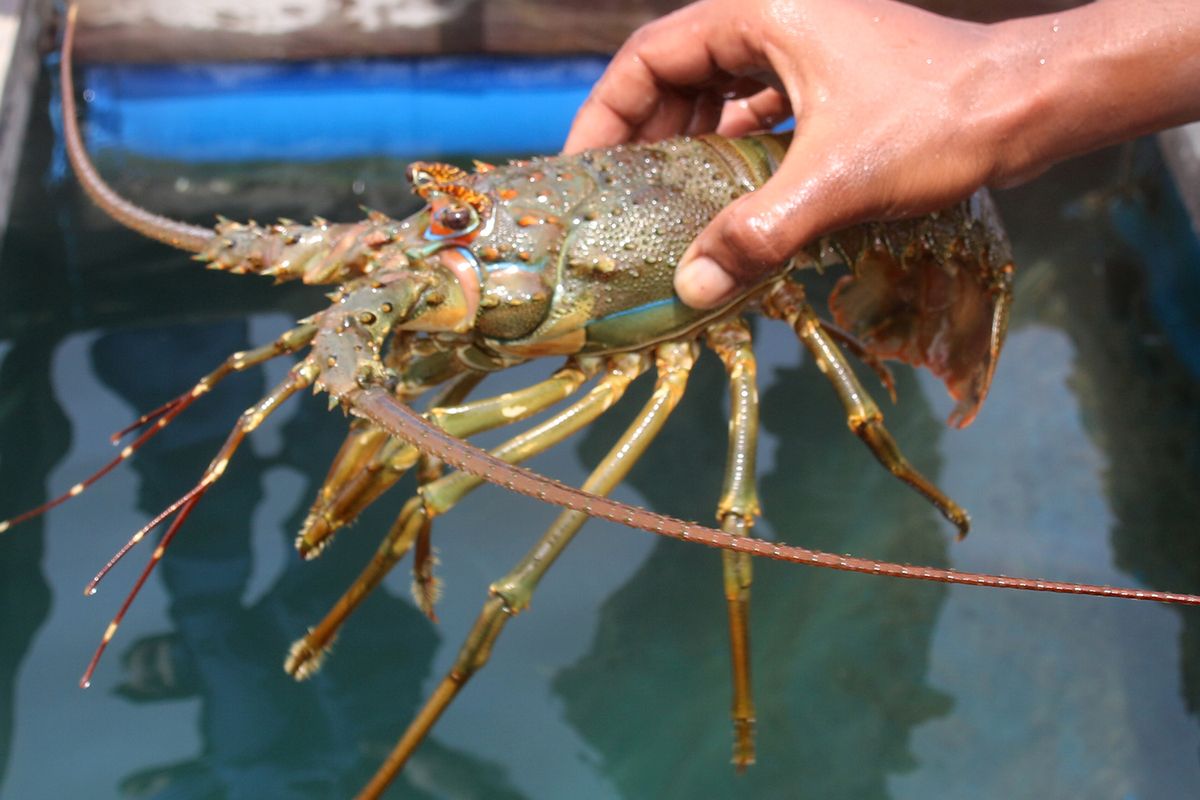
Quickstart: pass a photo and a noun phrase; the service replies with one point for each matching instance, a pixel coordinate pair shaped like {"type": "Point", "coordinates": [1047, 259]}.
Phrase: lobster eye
{"type": "Point", "coordinates": [456, 217]}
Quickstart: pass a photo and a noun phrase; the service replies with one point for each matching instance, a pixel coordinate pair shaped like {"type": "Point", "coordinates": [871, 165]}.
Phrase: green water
{"type": "Point", "coordinates": [1082, 466]}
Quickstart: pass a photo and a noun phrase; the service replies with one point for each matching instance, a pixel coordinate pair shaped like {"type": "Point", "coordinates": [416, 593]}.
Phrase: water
{"type": "Point", "coordinates": [1083, 465]}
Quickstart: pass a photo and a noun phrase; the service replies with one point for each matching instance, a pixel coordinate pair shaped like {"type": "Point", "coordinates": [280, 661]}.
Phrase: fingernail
{"type": "Point", "coordinates": [703, 283]}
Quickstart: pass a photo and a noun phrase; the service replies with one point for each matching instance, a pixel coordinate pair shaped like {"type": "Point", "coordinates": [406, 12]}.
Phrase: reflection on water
{"type": "Point", "coordinates": [839, 663]}
{"type": "Point", "coordinates": [1090, 680]}
{"type": "Point", "coordinates": [1082, 466]}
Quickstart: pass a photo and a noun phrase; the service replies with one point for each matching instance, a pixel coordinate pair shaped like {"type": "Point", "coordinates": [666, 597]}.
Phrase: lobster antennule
{"type": "Point", "coordinates": [145, 419]}
{"type": "Point", "coordinates": [187, 499]}
{"type": "Point", "coordinates": [156, 421]}
{"type": "Point", "coordinates": [163, 229]}
{"type": "Point", "coordinates": [299, 377]}
{"type": "Point", "coordinates": [151, 423]}
{"type": "Point", "coordinates": [185, 506]}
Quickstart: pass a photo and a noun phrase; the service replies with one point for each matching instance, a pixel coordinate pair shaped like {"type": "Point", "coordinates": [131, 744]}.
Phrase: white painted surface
{"type": "Point", "coordinates": [276, 17]}
{"type": "Point", "coordinates": [10, 18]}
{"type": "Point", "coordinates": [1181, 149]}
{"type": "Point", "coordinates": [19, 23]}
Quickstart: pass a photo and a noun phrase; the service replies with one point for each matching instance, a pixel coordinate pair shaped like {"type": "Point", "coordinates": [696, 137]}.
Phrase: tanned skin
{"type": "Point", "coordinates": [898, 111]}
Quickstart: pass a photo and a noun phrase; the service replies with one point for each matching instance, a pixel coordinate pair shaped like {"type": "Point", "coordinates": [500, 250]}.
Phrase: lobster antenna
{"type": "Point", "coordinates": [163, 229]}
{"type": "Point", "coordinates": [380, 407]}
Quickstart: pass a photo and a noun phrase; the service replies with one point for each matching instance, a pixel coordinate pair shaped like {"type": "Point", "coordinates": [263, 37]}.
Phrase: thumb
{"type": "Point", "coordinates": [759, 232]}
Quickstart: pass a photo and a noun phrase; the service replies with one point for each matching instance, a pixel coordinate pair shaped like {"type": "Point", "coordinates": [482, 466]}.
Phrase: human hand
{"type": "Point", "coordinates": [876, 87]}
{"type": "Point", "coordinates": [898, 111]}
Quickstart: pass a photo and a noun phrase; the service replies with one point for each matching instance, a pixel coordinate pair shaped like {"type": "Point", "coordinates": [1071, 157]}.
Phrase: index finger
{"type": "Point", "coordinates": [678, 54]}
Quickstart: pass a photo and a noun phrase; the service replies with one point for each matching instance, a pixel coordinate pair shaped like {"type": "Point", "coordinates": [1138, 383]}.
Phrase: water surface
{"type": "Point", "coordinates": [1082, 466]}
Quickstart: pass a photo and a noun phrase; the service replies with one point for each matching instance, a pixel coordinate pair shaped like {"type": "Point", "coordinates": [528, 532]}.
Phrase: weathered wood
{"type": "Point", "coordinates": [20, 25]}
{"type": "Point", "coordinates": [220, 30]}
{"type": "Point", "coordinates": [215, 30]}
{"type": "Point", "coordinates": [1181, 151]}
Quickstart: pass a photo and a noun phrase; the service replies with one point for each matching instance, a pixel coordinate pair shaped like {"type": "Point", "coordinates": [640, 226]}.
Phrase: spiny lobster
{"type": "Point", "coordinates": [573, 256]}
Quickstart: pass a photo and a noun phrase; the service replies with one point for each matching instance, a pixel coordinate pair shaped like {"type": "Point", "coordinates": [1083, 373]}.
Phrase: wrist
{"type": "Point", "coordinates": [1063, 84]}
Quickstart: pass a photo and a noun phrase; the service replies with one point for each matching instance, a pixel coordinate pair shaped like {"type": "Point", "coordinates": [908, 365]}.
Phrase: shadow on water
{"type": "Point", "coordinates": [865, 688]}
{"type": "Point", "coordinates": [319, 738]}
{"type": "Point", "coordinates": [31, 449]}
{"type": "Point", "coordinates": [839, 663]}
{"type": "Point", "coordinates": [33, 437]}
{"type": "Point", "coordinates": [1129, 298]}
{"type": "Point", "coordinates": [880, 688]}
{"type": "Point", "coordinates": [259, 734]}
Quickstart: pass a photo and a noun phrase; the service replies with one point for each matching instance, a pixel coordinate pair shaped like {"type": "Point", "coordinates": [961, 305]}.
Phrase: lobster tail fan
{"type": "Point", "coordinates": [940, 302]}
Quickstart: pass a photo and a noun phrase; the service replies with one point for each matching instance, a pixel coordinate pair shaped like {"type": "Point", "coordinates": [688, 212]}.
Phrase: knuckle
{"type": "Point", "coordinates": [640, 38]}
{"type": "Point", "coordinates": [754, 243]}
{"type": "Point", "coordinates": [653, 39]}
{"type": "Point", "coordinates": [639, 46]}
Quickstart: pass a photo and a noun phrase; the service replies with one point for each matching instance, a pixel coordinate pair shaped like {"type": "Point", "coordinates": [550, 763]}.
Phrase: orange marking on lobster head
{"type": "Point", "coordinates": [428, 175]}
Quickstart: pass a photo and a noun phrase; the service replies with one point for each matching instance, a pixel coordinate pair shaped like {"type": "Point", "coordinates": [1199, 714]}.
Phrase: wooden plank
{"type": "Point", "coordinates": [215, 30]}
{"type": "Point", "coordinates": [20, 26]}
{"type": "Point", "coordinates": [220, 30]}
{"type": "Point", "coordinates": [1181, 150]}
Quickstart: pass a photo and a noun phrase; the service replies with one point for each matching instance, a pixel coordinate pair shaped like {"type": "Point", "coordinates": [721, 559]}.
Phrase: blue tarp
{"type": "Point", "coordinates": [324, 110]}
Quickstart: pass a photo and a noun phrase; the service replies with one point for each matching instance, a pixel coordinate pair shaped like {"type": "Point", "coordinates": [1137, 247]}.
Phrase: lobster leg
{"type": "Point", "coordinates": [859, 351]}
{"type": "Point", "coordinates": [352, 472]}
{"type": "Point", "coordinates": [512, 406]}
{"type": "Point", "coordinates": [371, 462]}
{"type": "Point", "coordinates": [736, 512]}
{"type": "Point", "coordinates": [366, 450]}
{"type": "Point", "coordinates": [511, 594]}
{"type": "Point", "coordinates": [786, 301]}
{"type": "Point", "coordinates": [441, 495]}
{"type": "Point", "coordinates": [426, 587]}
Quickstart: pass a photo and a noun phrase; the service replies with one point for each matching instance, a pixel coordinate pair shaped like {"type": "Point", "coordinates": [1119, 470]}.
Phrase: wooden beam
{"type": "Point", "coordinates": [20, 26]}
{"type": "Point", "coordinates": [224, 30]}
